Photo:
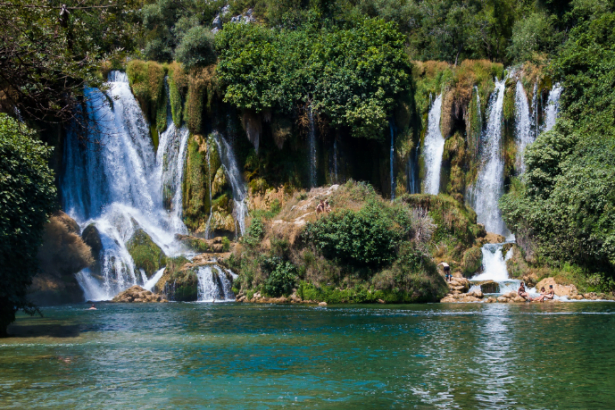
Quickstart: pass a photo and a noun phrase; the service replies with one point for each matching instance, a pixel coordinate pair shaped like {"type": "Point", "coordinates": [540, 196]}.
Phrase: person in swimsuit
{"type": "Point", "coordinates": [550, 294]}
{"type": "Point", "coordinates": [447, 271]}
{"type": "Point", "coordinates": [541, 298]}
{"type": "Point", "coordinates": [522, 292]}
{"type": "Point", "coordinates": [93, 307]}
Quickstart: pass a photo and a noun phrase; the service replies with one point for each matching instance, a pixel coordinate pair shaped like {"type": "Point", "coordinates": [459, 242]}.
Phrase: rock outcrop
{"type": "Point", "coordinates": [136, 294]}
{"type": "Point", "coordinates": [145, 253]}
{"type": "Point", "coordinates": [568, 291]}
{"type": "Point", "coordinates": [63, 254]}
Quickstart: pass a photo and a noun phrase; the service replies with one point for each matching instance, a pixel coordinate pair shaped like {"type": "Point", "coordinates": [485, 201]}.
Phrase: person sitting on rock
{"type": "Point", "coordinates": [447, 271]}
{"type": "Point", "coordinates": [320, 208]}
{"type": "Point", "coordinates": [522, 292]}
{"type": "Point", "coordinates": [327, 206]}
{"type": "Point", "coordinates": [550, 294]}
{"type": "Point", "coordinates": [540, 298]}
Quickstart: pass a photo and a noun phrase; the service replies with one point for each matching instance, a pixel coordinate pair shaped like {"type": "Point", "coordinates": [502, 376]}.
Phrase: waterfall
{"type": "Point", "coordinates": [209, 184]}
{"type": "Point", "coordinates": [336, 178]}
{"type": "Point", "coordinates": [535, 110]}
{"type": "Point", "coordinates": [150, 283]}
{"type": "Point", "coordinates": [213, 285]}
{"type": "Point", "coordinates": [523, 126]}
{"type": "Point", "coordinates": [392, 156]}
{"type": "Point", "coordinates": [494, 269]}
{"type": "Point", "coordinates": [433, 149]}
{"type": "Point", "coordinates": [117, 182]}
{"type": "Point", "coordinates": [413, 160]}
{"type": "Point", "coordinates": [489, 185]}
{"type": "Point", "coordinates": [552, 106]}
{"type": "Point", "coordinates": [312, 149]}
{"type": "Point", "coordinates": [238, 185]}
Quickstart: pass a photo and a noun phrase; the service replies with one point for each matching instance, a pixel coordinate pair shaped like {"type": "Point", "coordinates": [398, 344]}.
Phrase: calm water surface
{"type": "Point", "coordinates": [223, 356]}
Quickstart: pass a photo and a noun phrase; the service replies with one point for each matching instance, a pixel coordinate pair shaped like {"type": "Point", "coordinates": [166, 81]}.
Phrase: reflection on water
{"type": "Point", "coordinates": [244, 357]}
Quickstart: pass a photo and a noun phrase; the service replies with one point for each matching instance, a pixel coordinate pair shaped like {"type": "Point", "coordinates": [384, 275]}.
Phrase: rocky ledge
{"type": "Point", "coordinates": [138, 295]}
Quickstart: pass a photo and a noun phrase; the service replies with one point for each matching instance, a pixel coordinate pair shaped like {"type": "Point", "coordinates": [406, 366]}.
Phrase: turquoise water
{"type": "Point", "coordinates": [234, 356]}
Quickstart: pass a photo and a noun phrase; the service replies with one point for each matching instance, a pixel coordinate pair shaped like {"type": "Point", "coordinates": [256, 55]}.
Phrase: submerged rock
{"type": "Point", "coordinates": [138, 295]}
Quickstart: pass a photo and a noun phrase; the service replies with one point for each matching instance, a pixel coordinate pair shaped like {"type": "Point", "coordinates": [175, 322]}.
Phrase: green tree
{"type": "Point", "coordinates": [27, 197]}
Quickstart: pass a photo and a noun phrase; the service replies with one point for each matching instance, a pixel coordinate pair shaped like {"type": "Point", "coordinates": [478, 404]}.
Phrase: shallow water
{"type": "Point", "coordinates": [238, 356]}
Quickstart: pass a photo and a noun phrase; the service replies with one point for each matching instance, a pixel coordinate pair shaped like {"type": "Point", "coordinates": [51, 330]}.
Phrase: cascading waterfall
{"type": "Point", "coordinates": [392, 156]}
{"type": "Point", "coordinates": [238, 185]}
{"type": "Point", "coordinates": [210, 179]}
{"type": "Point", "coordinates": [552, 106]}
{"type": "Point", "coordinates": [115, 182]}
{"type": "Point", "coordinates": [413, 160]}
{"type": "Point", "coordinates": [490, 182]}
{"type": "Point", "coordinates": [214, 285]}
{"type": "Point", "coordinates": [523, 125]}
{"type": "Point", "coordinates": [433, 149]}
{"type": "Point", "coordinates": [312, 148]}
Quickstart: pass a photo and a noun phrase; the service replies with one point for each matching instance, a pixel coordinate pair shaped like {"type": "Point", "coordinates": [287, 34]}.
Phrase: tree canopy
{"type": "Point", "coordinates": [27, 197]}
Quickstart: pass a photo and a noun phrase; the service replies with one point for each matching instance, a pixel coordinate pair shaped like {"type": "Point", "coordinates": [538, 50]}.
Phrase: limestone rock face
{"type": "Point", "coordinates": [145, 253]}
{"type": "Point", "coordinates": [137, 294]}
{"type": "Point", "coordinates": [560, 290]}
{"type": "Point", "coordinates": [62, 255]}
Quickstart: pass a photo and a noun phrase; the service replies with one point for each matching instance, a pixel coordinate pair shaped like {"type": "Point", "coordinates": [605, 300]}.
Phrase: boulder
{"type": "Point", "coordinates": [560, 290]}
{"type": "Point", "coordinates": [502, 299]}
{"type": "Point", "coordinates": [62, 254]}
{"type": "Point", "coordinates": [477, 294]}
{"type": "Point", "coordinates": [145, 253]}
{"type": "Point", "coordinates": [510, 295]}
{"type": "Point", "coordinates": [91, 237]}
{"type": "Point", "coordinates": [491, 300]}
{"type": "Point", "coordinates": [494, 238]}
{"type": "Point", "coordinates": [489, 286]}
{"type": "Point", "coordinates": [518, 299]}
{"type": "Point", "coordinates": [136, 294]}
{"type": "Point", "coordinates": [322, 304]}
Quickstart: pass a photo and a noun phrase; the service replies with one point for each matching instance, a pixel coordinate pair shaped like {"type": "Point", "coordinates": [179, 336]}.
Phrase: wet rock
{"type": "Point", "coordinates": [136, 294]}
{"type": "Point", "coordinates": [489, 286]}
{"type": "Point", "coordinates": [322, 304]}
{"type": "Point", "coordinates": [518, 299]}
{"type": "Point", "coordinates": [145, 253]}
{"type": "Point", "coordinates": [502, 299]}
{"type": "Point", "coordinates": [91, 237]}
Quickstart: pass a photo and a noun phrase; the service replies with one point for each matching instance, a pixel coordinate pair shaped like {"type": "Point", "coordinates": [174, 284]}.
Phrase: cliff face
{"type": "Point", "coordinates": [62, 255]}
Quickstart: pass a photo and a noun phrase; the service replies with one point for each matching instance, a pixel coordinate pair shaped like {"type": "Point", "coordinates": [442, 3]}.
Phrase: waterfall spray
{"type": "Point", "coordinates": [552, 106]}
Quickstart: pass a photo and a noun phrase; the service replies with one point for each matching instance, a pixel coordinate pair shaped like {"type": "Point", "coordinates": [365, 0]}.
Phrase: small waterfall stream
{"type": "Point", "coordinates": [523, 125]}
{"type": "Point", "coordinates": [117, 183]}
{"type": "Point", "coordinates": [238, 184]}
{"type": "Point", "coordinates": [391, 158]}
{"type": "Point", "coordinates": [312, 148]}
{"type": "Point", "coordinates": [214, 285]}
{"type": "Point", "coordinates": [433, 149]}
{"type": "Point", "coordinates": [490, 182]}
{"type": "Point", "coordinates": [552, 106]}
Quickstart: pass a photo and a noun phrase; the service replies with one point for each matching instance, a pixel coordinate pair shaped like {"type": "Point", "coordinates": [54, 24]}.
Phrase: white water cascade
{"type": "Point", "coordinates": [312, 149]}
{"type": "Point", "coordinates": [214, 285]}
{"type": "Point", "coordinates": [433, 149]}
{"type": "Point", "coordinates": [489, 185]}
{"type": "Point", "coordinates": [523, 125]}
{"type": "Point", "coordinates": [552, 106]}
{"type": "Point", "coordinates": [238, 184]}
{"type": "Point", "coordinates": [115, 181]}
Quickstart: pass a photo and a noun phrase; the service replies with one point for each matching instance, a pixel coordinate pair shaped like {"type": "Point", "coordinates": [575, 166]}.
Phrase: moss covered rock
{"type": "Point", "coordinates": [145, 253]}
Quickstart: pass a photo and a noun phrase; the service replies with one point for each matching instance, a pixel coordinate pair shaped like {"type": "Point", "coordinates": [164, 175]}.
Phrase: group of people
{"type": "Point", "coordinates": [323, 206]}
{"type": "Point", "coordinates": [544, 295]}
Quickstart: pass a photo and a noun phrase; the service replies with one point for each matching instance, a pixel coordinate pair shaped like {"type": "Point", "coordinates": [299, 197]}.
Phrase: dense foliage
{"type": "Point", "coordinates": [566, 204]}
{"type": "Point", "coordinates": [27, 197]}
{"type": "Point", "coordinates": [282, 277]}
{"type": "Point", "coordinates": [48, 54]}
{"type": "Point", "coordinates": [352, 75]}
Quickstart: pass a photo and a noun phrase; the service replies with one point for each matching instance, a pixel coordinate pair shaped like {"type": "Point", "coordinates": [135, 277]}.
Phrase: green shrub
{"type": "Point", "coordinates": [196, 48]}
{"type": "Point", "coordinates": [226, 244]}
{"type": "Point", "coordinates": [367, 237]}
{"type": "Point", "coordinates": [282, 277]}
{"type": "Point", "coordinates": [255, 232]}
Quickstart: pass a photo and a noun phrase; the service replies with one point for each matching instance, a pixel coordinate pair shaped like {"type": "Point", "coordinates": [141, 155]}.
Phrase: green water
{"type": "Point", "coordinates": [233, 356]}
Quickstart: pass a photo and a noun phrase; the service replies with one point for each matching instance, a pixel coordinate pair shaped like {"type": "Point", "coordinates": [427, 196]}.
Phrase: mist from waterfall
{"type": "Point", "coordinates": [489, 187]}
{"type": "Point", "coordinates": [433, 149]}
{"type": "Point", "coordinates": [552, 106]}
{"type": "Point", "coordinates": [115, 181]}
{"type": "Point", "coordinates": [523, 126]}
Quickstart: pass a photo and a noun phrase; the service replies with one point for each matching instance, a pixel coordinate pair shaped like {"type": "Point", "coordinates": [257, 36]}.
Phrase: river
{"type": "Point", "coordinates": [239, 356]}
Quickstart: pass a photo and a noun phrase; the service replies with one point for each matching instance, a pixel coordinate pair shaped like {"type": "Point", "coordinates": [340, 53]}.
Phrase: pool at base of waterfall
{"type": "Point", "coordinates": [246, 356]}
